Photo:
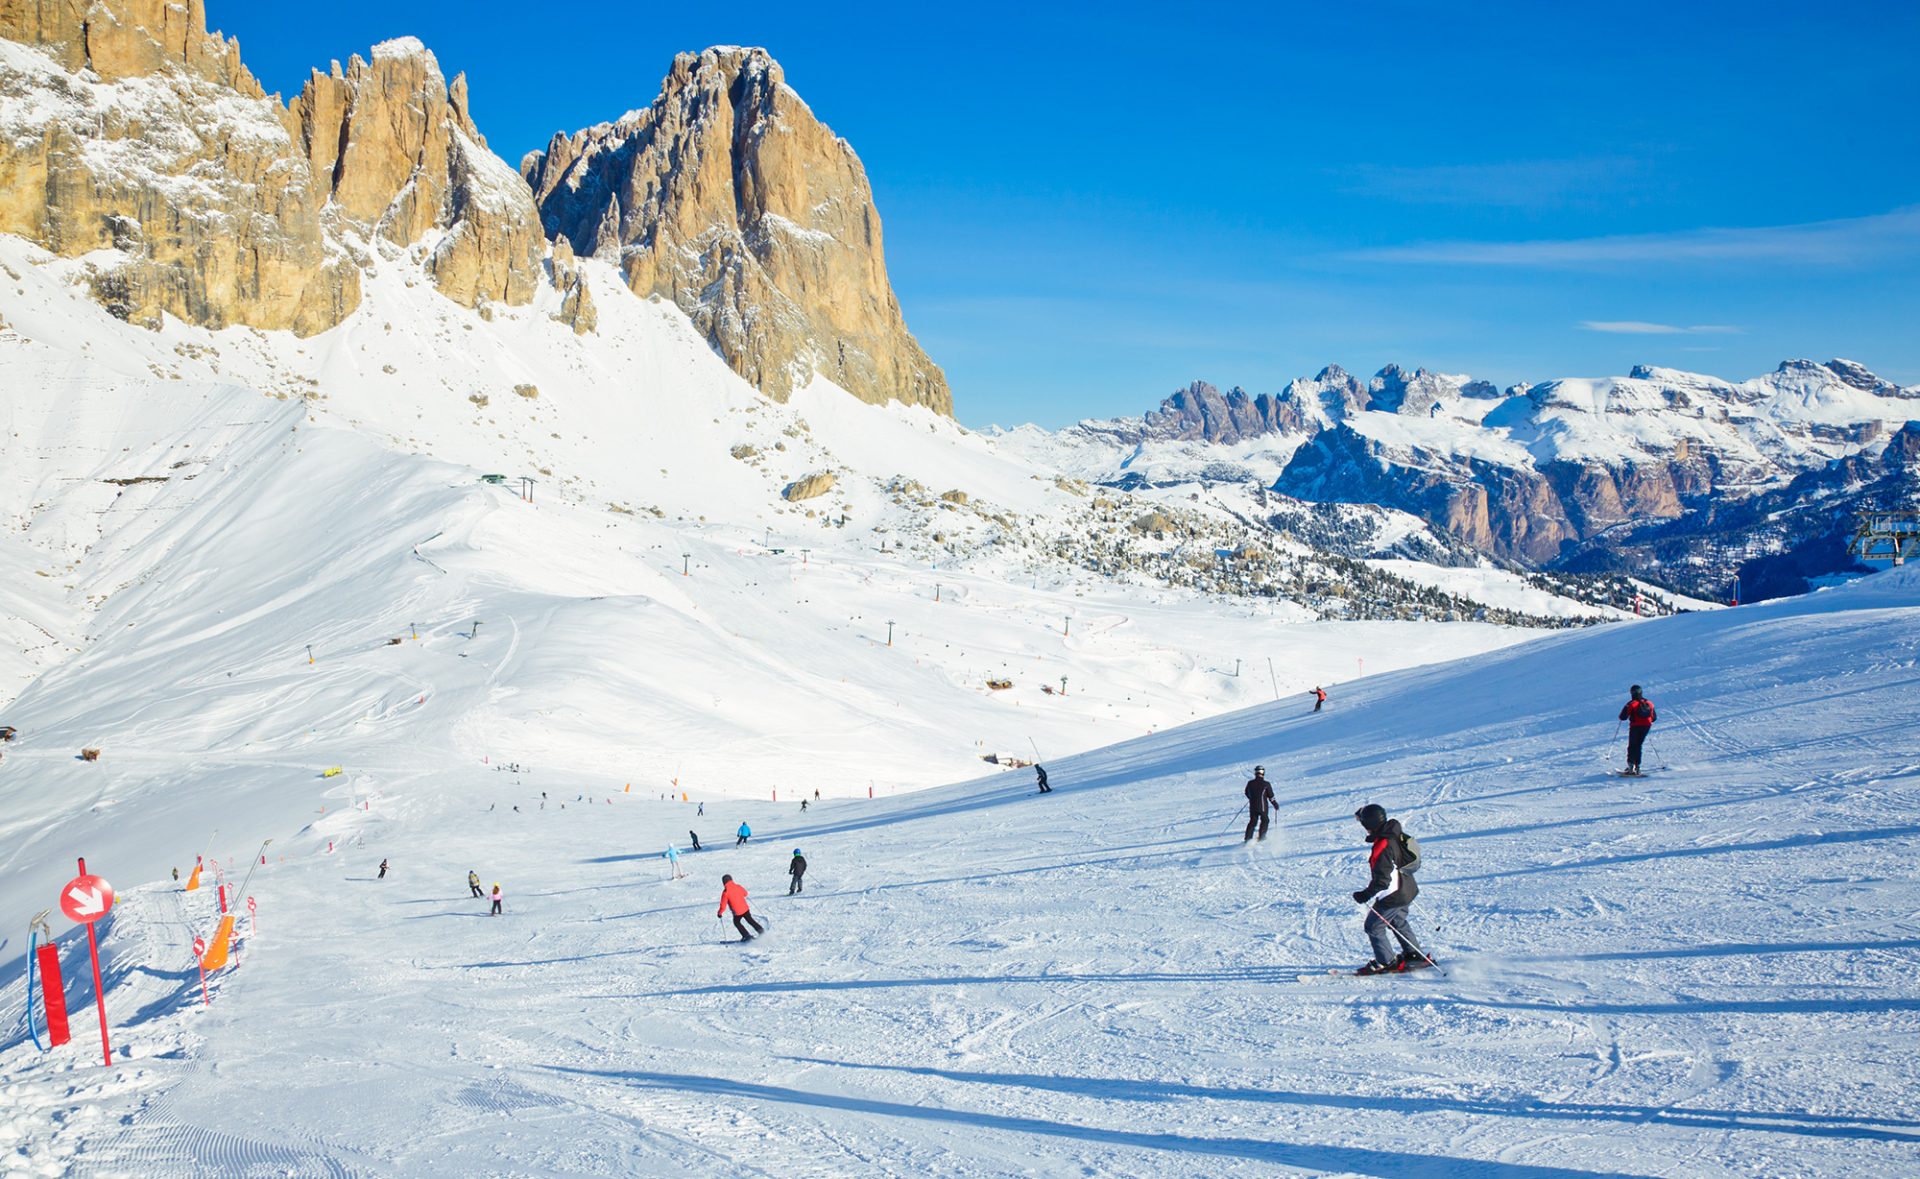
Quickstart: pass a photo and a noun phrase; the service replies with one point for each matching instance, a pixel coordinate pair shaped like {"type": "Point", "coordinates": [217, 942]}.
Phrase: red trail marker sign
{"type": "Point", "coordinates": [85, 900]}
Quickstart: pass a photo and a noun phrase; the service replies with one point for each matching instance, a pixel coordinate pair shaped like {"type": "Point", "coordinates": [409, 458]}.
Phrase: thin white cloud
{"type": "Point", "coordinates": [1849, 242]}
{"type": "Point", "coordinates": [1638, 327]}
{"type": "Point", "coordinates": [1511, 184]}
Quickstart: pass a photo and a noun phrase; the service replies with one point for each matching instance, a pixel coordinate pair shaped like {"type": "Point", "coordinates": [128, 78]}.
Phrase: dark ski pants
{"type": "Point", "coordinates": [1317, 704]}
{"type": "Point", "coordinates": [476, 890]}
{"type": "Point", "coordinates": [741, 921]}
{"type": "Point", "coordinates": [1261, 817]}
{"type": "Point", "coordinates": [795, 886]}
{"type": "Point", "coordinates": [496, 909]}
{"type": "Point", "coordinates": [1386, 947]}
{"type": "Point", "coordinates": [1636, 737]}
{"type": "Point", "coordinates": [739, 841]}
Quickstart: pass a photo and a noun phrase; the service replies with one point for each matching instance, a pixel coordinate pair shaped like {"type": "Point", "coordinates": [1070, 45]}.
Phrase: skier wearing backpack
{"type": "Point", "coordinates": [1639, 716]}
{"type": "Point", "coordinates": [797, 869]}
{"type": "Point", "coordinates": [1393, 859]}
{"type": "Point", "coordinates": [1260, 803]}
{"type": "Point", "coordinates": [473, 882]}
{"type": "Point", "coordinates": [733, 898]}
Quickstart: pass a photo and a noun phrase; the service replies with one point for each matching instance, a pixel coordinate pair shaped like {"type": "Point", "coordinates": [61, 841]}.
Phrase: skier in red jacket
{"type": "Point", "coordinates": [1639, 716]}
{"type": "Point", "coordinates": [733, 897]}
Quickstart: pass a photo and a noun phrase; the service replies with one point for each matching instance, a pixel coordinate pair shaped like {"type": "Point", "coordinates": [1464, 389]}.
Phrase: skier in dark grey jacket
{"type": "Point", "coordinates": [1394, 947]}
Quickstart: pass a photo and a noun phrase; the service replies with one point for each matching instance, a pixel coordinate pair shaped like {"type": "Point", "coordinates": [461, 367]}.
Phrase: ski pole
{"type": "Point", "coordinates": [1404, 939]}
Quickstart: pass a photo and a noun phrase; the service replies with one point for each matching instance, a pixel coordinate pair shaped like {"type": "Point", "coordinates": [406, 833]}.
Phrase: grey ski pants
{"type": "Point", "coordinates": [1386, 947]}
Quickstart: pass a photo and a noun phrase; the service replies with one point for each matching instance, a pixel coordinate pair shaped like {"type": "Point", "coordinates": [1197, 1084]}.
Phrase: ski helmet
{"type": "Point", "coordinates": [1259, 771]}
{"type": "Point", "coordinates": [796, 851]}
{"type": "Point", "coordinates": [1636, 691]}
{"type": "Point", "coordinates": [726, 880]}
{"type": "Point", "coordinates": [1371, 816]}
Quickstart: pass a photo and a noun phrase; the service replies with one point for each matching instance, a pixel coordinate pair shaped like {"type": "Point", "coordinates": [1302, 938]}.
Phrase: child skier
{"type": "Point", "coordinates": [1394, 948]}
{"type": "Point", "coordinates": [796, 869]}
{"type": "Point", "coordinates": [1260, 803]}
{"type": "Point", "coordinates": [496, 900]}
{"type": "Point", "coordinates": [1639, 716]}
{"type": "Point", "coordinates": [473, 882]}
{"type": "Point", "coordinates": [734, 898]}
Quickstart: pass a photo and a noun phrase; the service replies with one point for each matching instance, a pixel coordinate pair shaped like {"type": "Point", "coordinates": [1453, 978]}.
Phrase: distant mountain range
{"type": "Point", "coordinates": [1691, 479]}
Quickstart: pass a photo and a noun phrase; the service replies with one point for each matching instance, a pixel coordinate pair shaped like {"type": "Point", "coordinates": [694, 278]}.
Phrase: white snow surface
{"type": "Point", "coordinates": [1696, 973]}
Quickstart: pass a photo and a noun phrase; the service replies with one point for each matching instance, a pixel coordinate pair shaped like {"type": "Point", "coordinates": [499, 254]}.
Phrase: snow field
{"type": "Point", "coordinates": [1693, 973]}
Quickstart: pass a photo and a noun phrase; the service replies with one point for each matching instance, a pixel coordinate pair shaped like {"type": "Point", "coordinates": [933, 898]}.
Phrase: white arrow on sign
{"type": "Point", "coordinates": [86, 901]}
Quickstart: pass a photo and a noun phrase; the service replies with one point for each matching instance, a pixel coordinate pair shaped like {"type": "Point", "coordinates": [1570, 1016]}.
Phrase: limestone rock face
{"type": "Point", "coordinates": [808, 487]}
{"type": "Point", "coordinates": [729, 197]}
{"type": "Point", "coordinates": [126, 126]}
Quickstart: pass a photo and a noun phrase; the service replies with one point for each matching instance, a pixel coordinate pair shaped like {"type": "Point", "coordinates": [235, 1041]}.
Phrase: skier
{"type": "Point", "coordinates": [734, 897]}
{"type": "Point", "coordinates": [816, 794]}
{"type": "Point", "coordinates": [496, 900]}
{"type": "Point", "coordinates": [1040, 773]}
{"type": "Point", "coordinates": [696, 840]}
{"type": "Point", "coordinates": [1319, 698]}
{"type": "Point", "coordinates": [1639, 716]}
{"type": "Point", "coordinates": [796, 869]}
{"type": "Point", "coordinates": [803, 806]}
{"type": "Point", "coordinates": [745, 833]}
{"type": "Point", "coordinates": [673, 858]}
{"type": "Point", "coordinates": [1394, 948]}
{"type": "Point", "coordinates": [1260, 803]}
{"type": "Point", "coordinates": [383, 869]}
{"type": "Point", "coordinates": [701, 810]}
{"type": "Point", "coordinates": [176, 875]}
{"type": "Point", "coordinates": [473, 882]}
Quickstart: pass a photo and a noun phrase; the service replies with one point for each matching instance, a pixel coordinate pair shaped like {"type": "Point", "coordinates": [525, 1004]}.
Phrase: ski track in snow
{"type": "Point", "coordinates": [1699, 972]}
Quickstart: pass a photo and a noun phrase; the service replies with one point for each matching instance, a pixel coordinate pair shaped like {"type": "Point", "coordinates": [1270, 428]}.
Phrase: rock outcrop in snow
{"type": "Point", "coordinates": [730, 198]}
{"type": "Point", "coordinates": [126, 127]}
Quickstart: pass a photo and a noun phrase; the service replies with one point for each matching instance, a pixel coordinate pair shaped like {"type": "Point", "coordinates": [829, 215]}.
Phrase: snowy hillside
{"type": "Point", "coordinates": [1699, 972]}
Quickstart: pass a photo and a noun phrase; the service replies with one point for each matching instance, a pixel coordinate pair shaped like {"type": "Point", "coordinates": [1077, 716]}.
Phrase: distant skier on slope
{"type": "Point", "coordinates": [1260, 803]}
{"type": "Point", "coordinates": [745, 833]}
{"type": "Point", "coordinates": [1040, 773]}
{"type": "Point", "coordinates": [496, 900]}
{"type": "Point", "coordinates": [1391, 879]}
{"type": "Point", "coordinates": [1639, 716]}
{"type": "Point", "coordinates": [1319, 698]}
{"type": "Point", "coordinates": [803, 806]}
{"type": "Point", "coordinates": [733, 898]}
{"type": "Point", "coordinates": [673, 860]}
{"type": "Point", "coordinates": [695, 838]}
{"type": "Point", "coordinates": [797, 869]}
{"type": "Point", "coordinates": [383, 870]}
{"type": "Point", "coordinates": [473, 882]}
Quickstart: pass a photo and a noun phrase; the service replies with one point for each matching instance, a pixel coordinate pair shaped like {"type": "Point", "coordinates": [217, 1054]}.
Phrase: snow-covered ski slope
{"type": "Point", "coordinates": [1707, 971]}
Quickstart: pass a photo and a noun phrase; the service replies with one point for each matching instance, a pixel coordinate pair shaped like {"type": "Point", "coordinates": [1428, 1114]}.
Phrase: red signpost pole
{"type": "Point", "coordinates": [99, 992]}
{"type": "Point", "coordinates": [200, 957]}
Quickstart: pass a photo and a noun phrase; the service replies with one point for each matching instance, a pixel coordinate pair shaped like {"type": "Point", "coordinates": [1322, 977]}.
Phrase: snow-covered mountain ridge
{"type": "Point", "coordinates": [1541, 474]}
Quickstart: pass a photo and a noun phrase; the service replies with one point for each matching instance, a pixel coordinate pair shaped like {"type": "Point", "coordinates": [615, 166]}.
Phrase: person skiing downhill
{"type": "Point", "coordinates": [797, 869]}
{"type": "Point", "coordinates": [696, 840]}
{"type": "Point", "coordinates": [1639, 716]}
{"type": "Point", "coordinates": [383, 870]}
{"type": "Point", "coordinates": [1040, 772]}
{"type": "Point", "coordinates": [745, 833]}
{"type": "Point", "coordinates": [1260, 803]}
{"type": "Point", "coordinates": [496, 900]}
{"type": "Point", "coordinates": [733, 898]}
{"type": "Point", "coordinates": [473, 882]}
{"type": "Point", "coordinates": [673, 860]}
{"type": "Point", "coordinates": [1394, 947]}
{"type": "Point", "coordinates": [1319, 698]}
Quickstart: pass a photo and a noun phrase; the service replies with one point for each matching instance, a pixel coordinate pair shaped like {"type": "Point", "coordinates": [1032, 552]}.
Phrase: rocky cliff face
{"type": "Point", "coordinates": [126, 127]}
{"type": "Point", "coordinates": [730, 198]}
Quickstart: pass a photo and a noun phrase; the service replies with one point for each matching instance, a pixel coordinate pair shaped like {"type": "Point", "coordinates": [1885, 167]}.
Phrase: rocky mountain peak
{"type": "Point", "coordinates": [729, 197]}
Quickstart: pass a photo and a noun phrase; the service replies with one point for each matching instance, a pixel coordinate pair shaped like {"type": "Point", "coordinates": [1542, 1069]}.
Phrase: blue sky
{"type": "Point", "coordinates": [1087, 208]}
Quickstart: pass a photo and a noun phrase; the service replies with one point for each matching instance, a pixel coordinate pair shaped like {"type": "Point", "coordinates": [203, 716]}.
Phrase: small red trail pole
{"type": "Point", "coordinates": [223, 897]}
{"type": "Point", "coordinates": [200, 957]}
{"type": "Point", "coordinates": [253, 915]}
{"type": "Point", "coordinates": [87, 899]}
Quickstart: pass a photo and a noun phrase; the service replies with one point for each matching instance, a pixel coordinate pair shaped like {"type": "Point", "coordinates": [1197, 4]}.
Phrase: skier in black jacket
{"type": "Point", "coordinates": [1040, 773]}
{"type": "Point", "coordinates": [1394, 947]}
{"type": "Point", "coordinates": [1260, 803]}
{"type": "Point", "coordinates": [796, 869]}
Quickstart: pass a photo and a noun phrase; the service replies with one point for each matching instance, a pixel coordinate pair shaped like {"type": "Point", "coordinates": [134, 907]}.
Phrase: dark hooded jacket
{"type": "Point", "coordinates": [1393, 888]}
{"type": "Point", "coordinates": [1259, 795]}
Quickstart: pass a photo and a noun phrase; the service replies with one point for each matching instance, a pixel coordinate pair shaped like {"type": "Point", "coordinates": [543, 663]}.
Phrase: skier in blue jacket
{"type": "Point", "coordinates": [745, 833]}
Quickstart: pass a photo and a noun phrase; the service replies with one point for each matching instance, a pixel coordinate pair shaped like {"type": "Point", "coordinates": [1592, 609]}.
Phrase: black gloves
{"type": "Point", "coordinates": [1360, 897]}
